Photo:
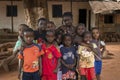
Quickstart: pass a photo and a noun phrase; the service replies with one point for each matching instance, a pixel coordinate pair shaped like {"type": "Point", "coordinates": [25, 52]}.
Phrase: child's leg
{"type": "Point", "coordinates": [26, 76]}
{"type": "Point", "coordinates": [36, 75]}
{"type": "Point", "coordinates": [83, 77]}
{"type": "Point", "coordinates": [98, 68]}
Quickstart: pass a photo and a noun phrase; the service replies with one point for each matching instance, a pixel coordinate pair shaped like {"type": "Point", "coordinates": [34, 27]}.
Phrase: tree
{"type": "Point", "coordinates": [34, 9]}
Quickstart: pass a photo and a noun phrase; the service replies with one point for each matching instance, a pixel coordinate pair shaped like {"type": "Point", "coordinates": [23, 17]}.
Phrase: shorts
{"type": "Point", "coordinates": [69, 75]}
{"type": "Point", "coordinates": [88, 72]}
{"type": "Point", "coordinates": [49, 77]}
{"type": "Point", "coordinates": [98, 67]}
{"type": "Point", "coordinates": [31, 76]}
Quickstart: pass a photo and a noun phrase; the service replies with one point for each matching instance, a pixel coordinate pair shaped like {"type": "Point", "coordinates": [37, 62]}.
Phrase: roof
{"type": "Point", "coordinates": [104, 6]}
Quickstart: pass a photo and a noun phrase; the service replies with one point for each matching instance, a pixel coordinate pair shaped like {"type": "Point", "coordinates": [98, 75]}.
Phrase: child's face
{"type": "Point", "coordinates": [50, 26]}
{"type": "Point", "coordinates": [42, 25]}
{"type": "Point", "coordinates": [67, 41]}
{"type": "Point", "coordinates": [29, 37]}
{"type": "Point", "coordinates": [95, 33]}
{"type": "Point", "coordinates": [87, 38]}
{"type": "Point", "coordinates": [80, 30]}
{"type": "Point", "coordinates": [50, 37]}
{"type": "Point", "coordinates": [67, 20]}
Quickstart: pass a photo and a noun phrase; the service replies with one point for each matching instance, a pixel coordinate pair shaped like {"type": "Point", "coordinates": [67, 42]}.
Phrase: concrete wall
{"type": "Point", "coordinates": [66, 6]}
{"type": "Point", "coordinates": [5, 22]}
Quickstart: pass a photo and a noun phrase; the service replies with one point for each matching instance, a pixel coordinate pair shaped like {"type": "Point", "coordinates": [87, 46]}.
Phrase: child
{"type": "Point", "coordinates": [86, 62]}
{"type": "Point", "coordinates": [40, 32]}
{"type": "Point", "coordinates": [20, 42]}
{"type": "Point", "coordinates": [30, 57]}
{"type": "Point", "coordinates": [98, 62]}
{"type": "Point", "coordinates": [50, 26]}
{"type": "Point", "coordinates": [51, 57]}
{"type": "Point", "coordinates": [68, 59]}
{"type": "Point", "coordinates": [80, 29]}
{"type": "Point", "coordinates": [67, 24]}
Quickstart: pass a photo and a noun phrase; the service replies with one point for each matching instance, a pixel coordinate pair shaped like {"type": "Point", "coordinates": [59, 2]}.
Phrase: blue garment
{"type": "Point", "coordinates": [31, 76]}
{"type": "Point", "coordinates": [68, 56]}
{"type": "Point", "coordinates": [98, 67]}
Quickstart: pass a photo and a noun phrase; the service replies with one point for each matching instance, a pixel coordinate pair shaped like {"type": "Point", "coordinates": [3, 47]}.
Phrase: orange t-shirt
{"type": "Point", "coordinates": [30, 55]}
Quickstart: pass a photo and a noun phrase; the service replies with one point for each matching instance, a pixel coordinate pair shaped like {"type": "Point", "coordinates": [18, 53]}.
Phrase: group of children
{"type": "Point", "coordinates": [44, 53]}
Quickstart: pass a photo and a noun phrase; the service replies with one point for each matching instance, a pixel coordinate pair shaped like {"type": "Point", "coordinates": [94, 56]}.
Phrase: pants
{"type": "Point", "coordinates": [31, 76]}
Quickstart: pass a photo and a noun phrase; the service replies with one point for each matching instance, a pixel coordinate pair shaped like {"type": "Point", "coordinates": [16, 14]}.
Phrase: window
{"type": "Point", "coordinates": [108, 19]}
{"type": "Point", "coordinates": [57, 10]}
{"type": "Point", "coordinates": [11, 10]}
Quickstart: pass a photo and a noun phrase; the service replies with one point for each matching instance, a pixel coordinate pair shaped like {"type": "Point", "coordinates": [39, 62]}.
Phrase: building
{"type": "Point", "coordinates": [83, 12]}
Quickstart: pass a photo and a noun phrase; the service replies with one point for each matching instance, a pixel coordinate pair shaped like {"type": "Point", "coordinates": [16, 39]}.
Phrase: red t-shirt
{"type": "Point", "coordinates": [50, 59]}
{"type": "Point", "coordinates": [30, 55]}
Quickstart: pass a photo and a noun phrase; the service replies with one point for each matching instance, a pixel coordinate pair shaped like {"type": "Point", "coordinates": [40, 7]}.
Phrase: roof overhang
{"type": "Point", "coordinates": [104, 7]}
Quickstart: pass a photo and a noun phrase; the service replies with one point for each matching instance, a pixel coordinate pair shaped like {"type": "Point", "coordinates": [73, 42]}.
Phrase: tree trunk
{"type": "Point", "coordinates": [34, 9]}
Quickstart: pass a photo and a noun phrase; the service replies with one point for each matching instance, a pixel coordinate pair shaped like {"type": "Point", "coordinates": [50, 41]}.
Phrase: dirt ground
{"type": "Point", "coordinates": [110, 69]}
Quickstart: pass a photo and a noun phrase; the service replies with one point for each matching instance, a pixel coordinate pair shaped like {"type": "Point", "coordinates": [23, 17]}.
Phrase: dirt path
{"type": "Point", "coordinates": [110, 69]}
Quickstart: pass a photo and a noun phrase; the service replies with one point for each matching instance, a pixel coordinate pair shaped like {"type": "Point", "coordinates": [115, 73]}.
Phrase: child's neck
{"type": "Point", "coordinates": [49, 44]}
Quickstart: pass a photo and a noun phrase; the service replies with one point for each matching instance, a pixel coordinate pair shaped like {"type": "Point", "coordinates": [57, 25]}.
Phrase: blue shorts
{"type": "Point", "coordinates": [31, 76]}
{"type": "Point", "coordinates": [98, 67]}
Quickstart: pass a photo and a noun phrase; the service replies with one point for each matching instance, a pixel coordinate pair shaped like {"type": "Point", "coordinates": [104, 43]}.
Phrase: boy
{"type": "Point", "coordinates": [67, 27]}
{"type": "Point", "coordinates": [30, 57]}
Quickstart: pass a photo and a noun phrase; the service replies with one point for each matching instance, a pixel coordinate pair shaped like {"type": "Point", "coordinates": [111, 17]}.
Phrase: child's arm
{"type": "Point", "coordinates": [20, 68]}
{"type": "Point", "coordinates": [40, 65]}
{"type": "Point", "coordinates": [57, 66]}
{"type": "Point", "coordinates": [64, 63]}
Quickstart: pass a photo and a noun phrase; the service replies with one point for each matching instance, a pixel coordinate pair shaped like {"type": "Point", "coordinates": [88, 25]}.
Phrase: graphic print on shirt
{"type": "Point", "coordinates": [68, 55]}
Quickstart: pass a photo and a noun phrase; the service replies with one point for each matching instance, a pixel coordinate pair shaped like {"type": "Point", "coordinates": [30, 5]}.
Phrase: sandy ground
{"type": "Point", "coordinates": [110, 69]}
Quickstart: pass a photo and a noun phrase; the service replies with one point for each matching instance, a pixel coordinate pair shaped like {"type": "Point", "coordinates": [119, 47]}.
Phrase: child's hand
{"type": "Point", "coordinates": [55, 71]}
{"type": "Point", "coordinates": [71, 66]}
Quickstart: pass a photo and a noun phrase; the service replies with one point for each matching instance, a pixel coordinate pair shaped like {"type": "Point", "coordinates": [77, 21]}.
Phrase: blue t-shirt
{"type": "Point", "coordinates": [68, 56]}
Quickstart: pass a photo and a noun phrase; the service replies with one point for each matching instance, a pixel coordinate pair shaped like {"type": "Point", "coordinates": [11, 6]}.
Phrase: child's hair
{"type": "Point", "coordinates": [66, 35]}
{"type": "Point", "coordinates": [80, 24]}
{"type": "Point", "coordinates": [95, 28]}
{"type": "Point", "coordinates": [29, 30]}
{"type": "Point", "coordinates": [87, 32]}
{"type": "Point", "coordinates": [44, 19]}
{"type": "Point", "coordinates": [68, 14]}
{"type": "Point", "coordinates": [24, 26]}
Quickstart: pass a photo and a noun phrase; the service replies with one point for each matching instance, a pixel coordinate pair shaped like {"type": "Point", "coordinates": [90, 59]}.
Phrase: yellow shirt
{"type": "Point", "coordinates": [86, 57]}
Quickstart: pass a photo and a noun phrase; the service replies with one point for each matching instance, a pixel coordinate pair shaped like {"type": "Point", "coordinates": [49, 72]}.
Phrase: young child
{"type": "Point", "coordinates": [86, 61]}
{"type": "Point", "coordinates": [100, 44]}
{"type": "Point", "coordinates": [51, 57]}
{"type": "Point", "coordinates": [80, 29]}
{"type": "Point", "coordinates": [68, 60]}
{"type": "Point", "coordinates": [20, 42]}
{"type": "Point", "coordinates": [30, 57]}
{"type": "Point", "coordinates": [50, 26]}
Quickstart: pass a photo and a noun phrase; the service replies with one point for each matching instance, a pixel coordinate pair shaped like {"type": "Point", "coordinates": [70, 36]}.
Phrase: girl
{"type": "Point", "coordinates": [86, 61]}
{"type": "Point", "coordinates": [68, 59]}
{"type": "Point", "coordinates": [100, 44]}
{"type": "Point", "coordinates": [51, 58]}
{"type": "Point", "coordinates": [80, 29]}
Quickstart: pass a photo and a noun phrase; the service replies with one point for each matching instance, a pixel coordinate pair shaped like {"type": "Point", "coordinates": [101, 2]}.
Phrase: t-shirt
{"type": "Point", "coordinates": [86, 57]}
{"type": "Point", "coordinates": [50, 59]}
{"type": "Point", "coordinates": [68, 56]}
{"type": "Point", "coordinates": [30, 55]}
{"type": "Point", "coordinates": [18, 44]}
{"type": "Point", "coordinates": [97, 48]}
{"type": "Point", "coordinates": [66, 30]}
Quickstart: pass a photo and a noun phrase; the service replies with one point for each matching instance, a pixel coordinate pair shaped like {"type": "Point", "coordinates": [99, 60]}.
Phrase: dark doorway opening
{"type": "Point", "coordinates": [82, 16]}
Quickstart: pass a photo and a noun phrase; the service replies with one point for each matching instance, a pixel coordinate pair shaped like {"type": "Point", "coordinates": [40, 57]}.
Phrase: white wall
{"type": "Point", "coordinates": [66, 6]}
{"type": "Point", "coordinates": [5, 22]}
